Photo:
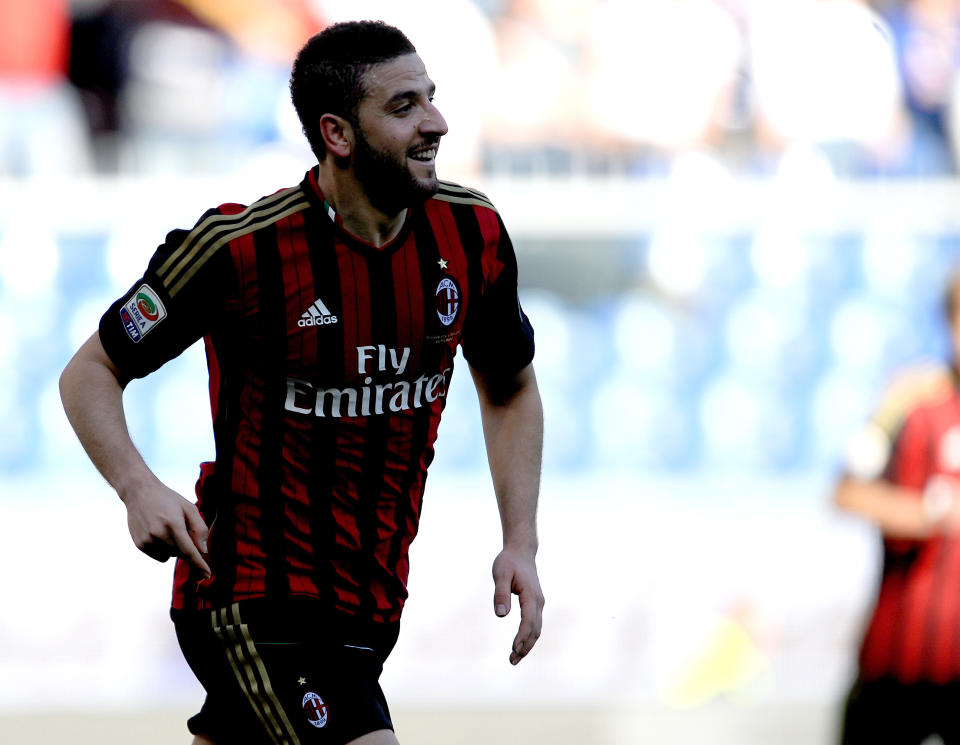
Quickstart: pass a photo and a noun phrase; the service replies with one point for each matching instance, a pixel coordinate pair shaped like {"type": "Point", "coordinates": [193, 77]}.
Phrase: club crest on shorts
{"type": "Point", "coordinates": [315, 710]}
{"type": "Point", "coordinates": [448, 300]}
{"type": "Point", "coordinates": [142, 312]}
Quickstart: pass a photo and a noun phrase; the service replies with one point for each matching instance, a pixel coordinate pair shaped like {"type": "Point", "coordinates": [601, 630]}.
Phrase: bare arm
{"type": "Point", "coordinates": [900, 512]}
{"type": "Point", "coordinates": [161, 522]}
{"type": "Point", "coordinates": [512, 417]}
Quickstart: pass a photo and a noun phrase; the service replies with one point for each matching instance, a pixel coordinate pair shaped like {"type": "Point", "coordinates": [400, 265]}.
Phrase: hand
{"type": "Point", "coordinates": [941, 504]}
{"type": "Point", "coordinates": [515, 572]}
{"type": "Point", "coordinates": [950, 522]}
{"type": "Point", "coordinates": [164, 524]}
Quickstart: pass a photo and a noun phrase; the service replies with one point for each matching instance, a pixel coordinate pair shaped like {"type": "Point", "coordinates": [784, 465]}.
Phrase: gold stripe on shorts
{"type": "Point", "coordinates": [252, 675]}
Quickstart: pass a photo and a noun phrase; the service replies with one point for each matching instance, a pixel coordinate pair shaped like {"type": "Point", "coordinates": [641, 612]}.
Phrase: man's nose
{"type": "Point", "coordinates": [433, 122]}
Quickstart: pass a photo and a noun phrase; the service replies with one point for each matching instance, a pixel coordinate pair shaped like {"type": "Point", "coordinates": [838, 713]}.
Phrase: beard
{"type": "Point", "coordinates": [387, 180]}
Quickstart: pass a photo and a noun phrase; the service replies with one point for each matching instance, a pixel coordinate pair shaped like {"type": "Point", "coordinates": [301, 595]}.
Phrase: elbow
{"type": "Point", "coordinates": [504, 390]}
{"type": "Point", "coordinates": [66, 382]}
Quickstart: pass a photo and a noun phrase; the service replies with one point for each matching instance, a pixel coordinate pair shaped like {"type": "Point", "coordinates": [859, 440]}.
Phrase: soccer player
{"type": "Point", "coordinates": [330, 312]}
{"type": "Point", "coordinates": [903, 474]}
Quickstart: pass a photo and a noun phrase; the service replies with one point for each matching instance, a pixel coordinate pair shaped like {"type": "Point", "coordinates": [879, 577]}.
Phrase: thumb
{"type": "Point", "coordinates": [501, 594]}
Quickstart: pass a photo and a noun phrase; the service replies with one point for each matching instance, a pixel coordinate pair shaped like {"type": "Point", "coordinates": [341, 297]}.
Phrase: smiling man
{"type": "Point", "coordinates": [331, 313]}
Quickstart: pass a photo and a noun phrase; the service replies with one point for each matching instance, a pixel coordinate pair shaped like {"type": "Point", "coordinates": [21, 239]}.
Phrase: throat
{"type": "Point", "coordinates": [370, 226]}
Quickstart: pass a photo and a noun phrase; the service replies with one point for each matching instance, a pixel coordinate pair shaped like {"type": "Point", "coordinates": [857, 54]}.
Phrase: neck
{"type": "Point", "coordinates": [352, 205]}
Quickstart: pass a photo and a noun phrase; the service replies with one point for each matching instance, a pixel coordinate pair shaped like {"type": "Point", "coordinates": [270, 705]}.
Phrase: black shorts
{"type": "Point", "coordinates": [893, 713]}
{"type": "Point", "coordinates": [283, 674]}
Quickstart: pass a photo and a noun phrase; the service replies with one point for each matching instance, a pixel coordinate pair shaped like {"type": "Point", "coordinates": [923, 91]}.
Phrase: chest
{"type": "Point", "coordinates": [935, 441]}
{"type": "Point", "coordinates": [323, 311]}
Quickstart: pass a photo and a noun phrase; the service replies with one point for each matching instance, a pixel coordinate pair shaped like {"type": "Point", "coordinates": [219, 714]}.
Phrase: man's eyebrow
{"type": "Point", "coordinates": [410, 94]}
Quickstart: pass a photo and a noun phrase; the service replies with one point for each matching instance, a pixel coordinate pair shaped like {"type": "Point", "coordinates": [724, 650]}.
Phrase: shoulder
{"type": "Point", "coordinates": [903, 408]}
{"type": "Point", "coordinates": [456, 194]}
{"type": "Point", "coordinates": [912, 389]}
{"type": "Point", "coordinates": [189, 250]}
{"type": "Point", "coordinates": [233, 217]}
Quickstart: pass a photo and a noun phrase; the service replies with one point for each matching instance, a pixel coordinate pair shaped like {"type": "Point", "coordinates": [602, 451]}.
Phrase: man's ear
{"type": "Point", "coordinates": [337, 135]}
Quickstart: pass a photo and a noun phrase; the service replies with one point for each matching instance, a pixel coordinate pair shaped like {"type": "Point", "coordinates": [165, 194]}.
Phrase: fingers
{"type": "Point", "coordinates": [191, 538]}
{"type": "Point", "coordinates": [531, 623]}
{"type": "Point", "coordinates": [188, 549]}
{"type": "Point", "coordinates": [181, 532]}
{"type": "Point", "coordinates": [501, 593]}
{"type": "Point", "coordinates": [197, 528]}
{"type": "Point", "coordinates": [518, 576]}
{"type": "Point", "coordinates": [157, 550]}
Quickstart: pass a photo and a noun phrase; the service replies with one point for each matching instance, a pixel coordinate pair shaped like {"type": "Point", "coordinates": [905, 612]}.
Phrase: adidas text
{"type": "Point", "coordinates": [316, 321]}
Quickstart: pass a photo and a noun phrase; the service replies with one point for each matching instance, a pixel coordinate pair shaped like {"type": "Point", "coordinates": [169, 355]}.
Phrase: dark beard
{"type": "Point", "coordinates": [388, 184]}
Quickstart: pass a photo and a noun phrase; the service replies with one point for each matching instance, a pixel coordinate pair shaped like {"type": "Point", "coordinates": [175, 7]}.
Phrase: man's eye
{"type": "Point", "coordinates": [403, 109]}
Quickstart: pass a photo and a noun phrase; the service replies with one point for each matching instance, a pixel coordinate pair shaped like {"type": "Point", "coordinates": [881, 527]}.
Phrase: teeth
{"type": "Point", "coordinates": [425, 154]}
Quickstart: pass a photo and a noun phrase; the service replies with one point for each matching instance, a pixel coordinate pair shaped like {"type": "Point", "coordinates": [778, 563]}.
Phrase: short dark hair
{"type": "Point", "coordinates": [327, 76]}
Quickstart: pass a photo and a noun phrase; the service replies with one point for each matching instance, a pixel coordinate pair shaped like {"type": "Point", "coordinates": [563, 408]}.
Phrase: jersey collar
{"type": "Point", "coordinates": [311, 187]}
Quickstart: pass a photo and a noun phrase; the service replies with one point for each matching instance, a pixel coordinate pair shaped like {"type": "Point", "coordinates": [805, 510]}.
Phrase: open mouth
{"type": "Point", "coordinates": [424, 155]}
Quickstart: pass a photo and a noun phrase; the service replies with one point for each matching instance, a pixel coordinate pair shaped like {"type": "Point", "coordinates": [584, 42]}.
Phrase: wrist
{"type": "Point", "coordinates": [132, 485]}
{"type": "Point", "coordinates": [937, 500]}
{"type": "Point", "coordinates": [527, 544]}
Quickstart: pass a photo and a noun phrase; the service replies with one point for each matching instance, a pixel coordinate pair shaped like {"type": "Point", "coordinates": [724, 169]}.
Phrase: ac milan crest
{"type": "Point", "coordinates": [315, 709]}
{"type": "Point", "coordinates": [448, 300]}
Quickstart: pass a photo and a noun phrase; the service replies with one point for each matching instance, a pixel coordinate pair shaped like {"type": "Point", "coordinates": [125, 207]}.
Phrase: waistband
{"type": "Point", "coordinates": [302, 619]}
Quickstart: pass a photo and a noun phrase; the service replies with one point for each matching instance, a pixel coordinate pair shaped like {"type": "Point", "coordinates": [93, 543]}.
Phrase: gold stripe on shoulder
{"type": "Point", "coordinates": [227, 233]}
{"type": "Point", "coordinates": [921, 384]}
{"type": "Point", "coordinates": [464, 200]}
{"type": "Point", "coordinates": [195, 239]}
{"type": "Point", "coordinates": [454, 189]}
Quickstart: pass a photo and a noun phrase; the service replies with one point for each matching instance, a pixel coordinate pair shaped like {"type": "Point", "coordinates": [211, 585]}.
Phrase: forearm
{"type": "Point", "coordinates": [898, 512]}
{"type": "Point", "coordinates": [93, 401]}
{"type": "Point", "coordinates": [513, 431]}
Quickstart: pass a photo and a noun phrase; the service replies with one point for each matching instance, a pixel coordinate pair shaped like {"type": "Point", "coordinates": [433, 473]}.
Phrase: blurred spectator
{"type": "Point", "coordinates": [824, 73]}
{"type": "Point", "coordinates": [538, 118]}
{"type": "Point", "coordinates": [101, 34]}
{"type": "Point", "coordinates": [662, 73]}
{"type": "Point", "coordinates": [269, 29]}
{"type": "Point", "coordinates": [187, 84]}
{"type": "Point", "coordinates": [927, 38]}
{"type": "Point", "coordinates": [41, 132]}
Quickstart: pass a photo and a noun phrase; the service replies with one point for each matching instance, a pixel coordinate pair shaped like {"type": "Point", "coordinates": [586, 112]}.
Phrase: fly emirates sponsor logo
{"type": "Point", "coordinates": [303, 397]}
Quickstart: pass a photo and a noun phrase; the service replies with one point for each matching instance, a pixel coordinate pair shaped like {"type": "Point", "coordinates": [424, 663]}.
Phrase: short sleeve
{"type": "Point", "coordinates": [176, 302]}
{"type": "Point", "coordinates": [868, 453]}
{"type": "Point", "coordinates": [909, 463]}
{"type": "Point", "coordinates": [893, 444]}
{"type": "Point", "coordinates": [497, 335]}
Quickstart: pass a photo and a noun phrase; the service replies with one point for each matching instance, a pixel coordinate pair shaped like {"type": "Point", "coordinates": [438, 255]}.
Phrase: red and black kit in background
{"type": "Point", "coordinates": [909, 665]}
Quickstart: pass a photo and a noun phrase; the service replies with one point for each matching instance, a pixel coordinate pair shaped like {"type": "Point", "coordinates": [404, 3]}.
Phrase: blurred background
{"type": "Point", "coordinates": [734, 220]}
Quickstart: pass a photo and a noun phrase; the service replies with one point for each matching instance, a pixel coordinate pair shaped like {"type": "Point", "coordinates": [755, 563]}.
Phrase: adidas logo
{"type": "Point", "coordinates": [317, 315]}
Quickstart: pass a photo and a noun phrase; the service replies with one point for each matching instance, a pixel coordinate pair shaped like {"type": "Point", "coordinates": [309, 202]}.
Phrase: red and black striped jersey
{"type": "Point", "coordinates": [329, 365]}
{"type": "Point", "coordinates": [914, 631]}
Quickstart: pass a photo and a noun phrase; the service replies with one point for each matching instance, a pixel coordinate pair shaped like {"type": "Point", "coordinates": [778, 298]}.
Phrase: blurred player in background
{"type": "Point", "coordinates": [903, 474]}
{"type": "Point", "coordinates": [331, 313]}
